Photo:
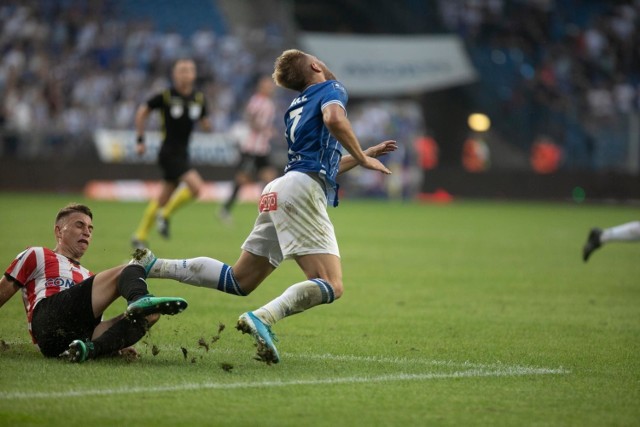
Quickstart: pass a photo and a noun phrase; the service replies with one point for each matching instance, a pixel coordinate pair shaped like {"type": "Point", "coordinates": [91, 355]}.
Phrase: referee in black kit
{"type": "Point", "coordinates": [180, 106]}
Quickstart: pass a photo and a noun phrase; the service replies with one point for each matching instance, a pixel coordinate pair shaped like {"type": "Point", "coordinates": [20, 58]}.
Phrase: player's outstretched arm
{"type": "Point", "coordinates": [335, 119]}
{"type": "Point", "coordinates": [348, 162]}
{"type": "Point", "coordinates": [8, 288]}
{"type": "Point", "coordinates": [381, 149]}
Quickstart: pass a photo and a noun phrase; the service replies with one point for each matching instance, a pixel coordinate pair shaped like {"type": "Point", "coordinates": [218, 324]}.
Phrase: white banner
{"type": "Point", "coordinates": [372, 65]}
{"type": "Point", "coordinates": [135, 190]}
{"type": "Point", "coordinates": [119, 146]}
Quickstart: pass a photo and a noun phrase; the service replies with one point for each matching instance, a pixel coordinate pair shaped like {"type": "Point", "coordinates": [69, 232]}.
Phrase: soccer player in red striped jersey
{"type": "Point", "coordinates": [65, 301]}
{"type": "Point", "coordinates": [255, 146]}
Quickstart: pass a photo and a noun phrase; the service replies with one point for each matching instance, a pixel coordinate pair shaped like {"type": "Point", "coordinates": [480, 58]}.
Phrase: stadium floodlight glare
{"type": "Point", "coordinates": [479, 122]}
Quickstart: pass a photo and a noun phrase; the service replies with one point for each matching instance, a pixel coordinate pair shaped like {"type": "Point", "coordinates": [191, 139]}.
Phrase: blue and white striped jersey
{"type": "Point", "coordinates": [311, 147]}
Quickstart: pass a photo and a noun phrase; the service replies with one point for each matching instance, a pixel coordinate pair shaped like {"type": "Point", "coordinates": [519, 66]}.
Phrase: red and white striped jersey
{"type": "Point", "coordinates": [259, 115]}
{"type": "Point", "coordinates": [43, 273]}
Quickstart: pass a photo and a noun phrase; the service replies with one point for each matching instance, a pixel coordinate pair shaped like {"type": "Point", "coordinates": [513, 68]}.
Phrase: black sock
{"type": "Point", "coordinates": [122, 334]}
{"type": "Point", "coordinates": [232, 199]}
{"type": "Point", "coordinates": [131, 284]}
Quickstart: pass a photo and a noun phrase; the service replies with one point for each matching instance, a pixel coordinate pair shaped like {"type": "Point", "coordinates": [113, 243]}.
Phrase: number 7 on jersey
{"type": "Point", "coordinates": [295, 115]}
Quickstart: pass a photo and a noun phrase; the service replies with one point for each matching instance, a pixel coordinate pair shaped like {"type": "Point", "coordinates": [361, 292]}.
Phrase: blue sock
{"type": "Point", "coordinates": [327, 291]}
{"type": "Point", "coordinates": [228, 283]}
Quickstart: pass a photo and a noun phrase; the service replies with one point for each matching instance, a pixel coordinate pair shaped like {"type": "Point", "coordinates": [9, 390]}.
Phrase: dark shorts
{"type": "Point", "coordinates": [251, 164]}
{"type": "Point", "coordinates": [173, 165]}
{"type": "Point", "coordinates": [64, 317]}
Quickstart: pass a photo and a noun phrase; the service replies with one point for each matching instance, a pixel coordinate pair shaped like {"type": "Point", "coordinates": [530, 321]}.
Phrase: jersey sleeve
{"type": "Point", "coordinates": [23, 267]}
{"type": "Point", "coordinates": [335, 94]}
{"type": "Point", "coordinates": [155, 101]}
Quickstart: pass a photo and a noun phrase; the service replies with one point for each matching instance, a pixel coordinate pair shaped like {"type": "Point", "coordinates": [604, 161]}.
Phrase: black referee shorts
{"type": "Point", "coordinates": [250, 164]}
{"type": "Point", "coordinates": [64, 317]}
{"type": "Point", "coordinates": [173, 165]}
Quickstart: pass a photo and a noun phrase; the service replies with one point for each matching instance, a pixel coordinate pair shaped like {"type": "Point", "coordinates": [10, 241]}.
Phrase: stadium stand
{"type": "Point", "coordinates": [66, 71]}
{"type": "Point", "coordinates": [192, 14]}
{"type": "Point", "coordinates": [566, 71]}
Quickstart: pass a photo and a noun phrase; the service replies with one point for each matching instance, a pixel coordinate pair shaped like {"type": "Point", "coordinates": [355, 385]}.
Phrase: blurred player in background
{"type": "Point", "coordinates": [293, 222]}
{"type": "Point", "coordinates": [180, 106]}
{"type": "Point", "coordinates": [628, 232]}
{"type": "Point", "coordinates": [65, 302]}
{"type": "Point", "coordinates": [255, 145]}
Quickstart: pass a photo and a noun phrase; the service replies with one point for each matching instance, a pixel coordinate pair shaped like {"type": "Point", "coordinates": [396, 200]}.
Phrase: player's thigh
{"type": "Point", "coordinates": [323, 266]}
{"type": "Point", "coordinates": [193, 180]}
{"type": "Point", "coordinates": [63, 317]}
{"type": "Point", "coordinates": [105, 289]}
{"type": "Point", "coordinates": [250, 270]}
{"type": "Point", "coordinates": [298, 209]}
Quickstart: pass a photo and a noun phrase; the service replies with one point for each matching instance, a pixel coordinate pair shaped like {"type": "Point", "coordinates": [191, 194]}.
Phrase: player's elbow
{"type": "Point", "coordinates": [334, 116]}
{"type": "Point", "coordinates": [333, 121]}
{"type": "Point", "coordinates": [141, 114]}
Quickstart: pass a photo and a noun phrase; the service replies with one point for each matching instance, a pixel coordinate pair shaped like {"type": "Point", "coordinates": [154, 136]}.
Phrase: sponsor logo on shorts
{"type": "Point", "coordinates": [60, 282]}
{"type": "Point", "coordinates": [268, 202]}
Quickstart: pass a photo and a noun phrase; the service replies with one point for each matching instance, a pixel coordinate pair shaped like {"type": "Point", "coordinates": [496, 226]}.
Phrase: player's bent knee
{"type": "Point", "coordinates": [338, 289]}
{"type": "Point", "coordinates": [195, 191]}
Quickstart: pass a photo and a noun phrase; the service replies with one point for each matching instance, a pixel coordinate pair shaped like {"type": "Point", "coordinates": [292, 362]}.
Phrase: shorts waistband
{"type": "Point", "coordinates": [316, 177]}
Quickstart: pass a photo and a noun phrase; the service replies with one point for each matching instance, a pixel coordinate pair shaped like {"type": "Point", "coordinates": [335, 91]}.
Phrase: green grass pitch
{"type": "Point", "coordinates": [472, 313]}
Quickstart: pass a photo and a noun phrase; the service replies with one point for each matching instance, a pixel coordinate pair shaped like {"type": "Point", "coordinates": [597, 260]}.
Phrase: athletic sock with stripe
{"type": "Point", "coordinates": [296, 299]}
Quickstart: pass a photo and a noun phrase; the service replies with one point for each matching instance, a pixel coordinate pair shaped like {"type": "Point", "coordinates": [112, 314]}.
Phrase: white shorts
{"type": "Point", "coordinates": [293, 220]}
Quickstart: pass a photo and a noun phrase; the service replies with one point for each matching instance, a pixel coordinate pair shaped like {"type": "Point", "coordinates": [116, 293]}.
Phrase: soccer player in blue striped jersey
{"type": "Point", "coordinates": [312, 148]}
{"type": "Point", "coordinates": [293, 222]}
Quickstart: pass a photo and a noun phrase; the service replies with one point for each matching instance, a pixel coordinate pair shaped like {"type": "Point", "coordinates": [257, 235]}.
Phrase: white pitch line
{"type": "Point", "coordinates": [504, 372]}
{"type": "Point", "coordinates": [401, 361]}
{"type": "Point", "coordinates": [377, 359]}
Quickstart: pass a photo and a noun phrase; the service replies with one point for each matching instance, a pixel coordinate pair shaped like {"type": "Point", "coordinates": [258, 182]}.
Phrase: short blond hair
{"type": "Point", "coordinates": [289, 70]}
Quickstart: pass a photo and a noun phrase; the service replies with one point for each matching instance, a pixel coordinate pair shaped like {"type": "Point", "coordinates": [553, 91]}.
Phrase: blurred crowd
{"type": "Point", "coordinates": [70, 67]}
{"type": "Point", "coordinates": [565, 70]}
{"type": "Point", "coordinates": [376, 121]}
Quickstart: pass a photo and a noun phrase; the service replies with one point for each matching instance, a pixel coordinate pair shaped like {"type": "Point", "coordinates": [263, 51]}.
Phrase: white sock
{"type": "Point", "coordinates": [201, 271]}
{"type": "Point", "coordinates": [296, 299]}
{"type": "Point", "coordinates": [625, 232]}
